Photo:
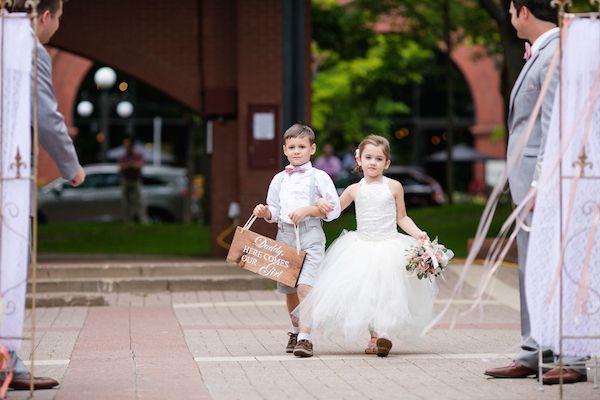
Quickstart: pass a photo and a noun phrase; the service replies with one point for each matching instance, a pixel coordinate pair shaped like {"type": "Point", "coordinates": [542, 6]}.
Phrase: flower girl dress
{"type": "Point", "coordinates": [363, 284]}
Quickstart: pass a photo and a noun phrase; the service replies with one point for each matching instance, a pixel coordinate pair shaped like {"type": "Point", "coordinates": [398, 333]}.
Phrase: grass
{"type": "Point", "coordinates": [454, 225]}
{"type": "Point", "coordinates": [157, 239]}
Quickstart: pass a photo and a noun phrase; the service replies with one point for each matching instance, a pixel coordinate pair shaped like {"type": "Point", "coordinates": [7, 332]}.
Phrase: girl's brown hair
{"type": "Point", "coordinates": [375, 140]}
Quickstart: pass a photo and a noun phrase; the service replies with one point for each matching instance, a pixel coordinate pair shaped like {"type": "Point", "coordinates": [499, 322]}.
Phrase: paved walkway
{"type": "Point", "coordinates": [229, 345]}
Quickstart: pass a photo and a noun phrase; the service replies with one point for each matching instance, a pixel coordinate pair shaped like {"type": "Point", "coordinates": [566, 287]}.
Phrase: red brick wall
{"type": "Point", "coordinates": [483, 79]}
{"type": "Point", "coordinates": [260, 79]}
{"type": "Point", "coordinates": [219, 55]}
{"type": "Point", "coordinates": [155, 41]}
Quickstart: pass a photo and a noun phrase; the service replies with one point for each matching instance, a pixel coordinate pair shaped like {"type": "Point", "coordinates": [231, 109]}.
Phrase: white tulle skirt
{"type": "Point", "coordinates": [363, 286]}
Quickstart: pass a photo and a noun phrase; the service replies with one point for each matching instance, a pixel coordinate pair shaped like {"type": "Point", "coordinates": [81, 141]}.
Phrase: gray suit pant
{"type": "Point", "coordinates": [19, 369]}
{"type": "Point", "coordinates": [529, 354]}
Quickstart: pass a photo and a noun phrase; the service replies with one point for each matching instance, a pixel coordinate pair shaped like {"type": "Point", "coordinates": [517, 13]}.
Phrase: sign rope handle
{"type": "Point", "coordinates": [297, 232]}
{"type": "Point", "coordinates": [249, 223]}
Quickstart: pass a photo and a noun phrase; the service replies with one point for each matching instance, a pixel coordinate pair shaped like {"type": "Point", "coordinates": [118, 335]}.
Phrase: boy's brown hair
{"type": "Point", "coordinates": [299, 130]}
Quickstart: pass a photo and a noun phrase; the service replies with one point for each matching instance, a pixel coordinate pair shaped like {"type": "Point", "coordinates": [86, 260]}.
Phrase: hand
{"type": "Point", "coordinates": [299, 214]}
{"type": "Point", "coordinates": [79, 177]}
{"type": "Point", "coordinates": [324, 206]}
{"type": "Point", "coordinates": [262, 211]}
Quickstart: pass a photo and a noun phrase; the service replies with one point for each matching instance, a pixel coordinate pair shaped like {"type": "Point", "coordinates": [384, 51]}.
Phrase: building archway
{"type": "Point", "coordinates": [68, 72]}
{"type": "Point", "coordinates": [205, 54]}
{"type": "Point", "coordinates": [483, 78]}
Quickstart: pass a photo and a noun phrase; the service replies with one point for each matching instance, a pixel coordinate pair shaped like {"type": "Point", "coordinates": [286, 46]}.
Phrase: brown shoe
{"type": "Point", "coordinates": [514, 370]}
{"type": "Point", "coordinates": [552, 377]}
{"type": "Point", "coordinates": [22, 383]}
{"type": "Point", "coordinates": [383, 347]}
{"type": "Point", "coordinates": [304, 348]}
{"type": "Point", "coordinates": [292, 341]}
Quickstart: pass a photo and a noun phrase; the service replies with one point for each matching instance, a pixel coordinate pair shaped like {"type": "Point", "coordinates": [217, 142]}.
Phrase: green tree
{"type": "Point", "coordinates": [359, 96]}
{"type": "Point", "coordinates": [485, 22]}
{"type": "Point", "coordinates": [360, 74]}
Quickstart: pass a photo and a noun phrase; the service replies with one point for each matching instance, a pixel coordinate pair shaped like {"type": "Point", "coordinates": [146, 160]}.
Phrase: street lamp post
{"type": "Point", "coordinates": [105, 79]}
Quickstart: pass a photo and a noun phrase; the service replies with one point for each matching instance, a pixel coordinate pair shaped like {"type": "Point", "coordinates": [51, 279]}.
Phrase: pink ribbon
{"type": "Point", "coordinates": [527, 54]}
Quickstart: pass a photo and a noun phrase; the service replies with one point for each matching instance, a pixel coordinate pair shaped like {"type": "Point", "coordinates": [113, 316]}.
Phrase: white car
{"type": "Point", "coordinates": [98, 199]}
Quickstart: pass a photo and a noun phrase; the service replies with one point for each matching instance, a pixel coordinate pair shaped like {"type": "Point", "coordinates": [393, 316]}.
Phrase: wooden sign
{"type": "Point", "coordinates": [265, 256]}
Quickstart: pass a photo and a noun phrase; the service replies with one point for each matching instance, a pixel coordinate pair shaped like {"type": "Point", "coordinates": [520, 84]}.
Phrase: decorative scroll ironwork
{"type": "Point", "coordinates": [6, 4]}
{"type": "Point", "coordinates": [10, 210]}
{"type": "Point", "coordinates": [582, 162]}
{"type": "Point", "coordinates": [29, 4]}
{"type": "Point", "coordinates": [562, 5]}
{"type": "Point", "coordinates": [33, 4]}
{"type": "Point", "coordinates": [18, 164]}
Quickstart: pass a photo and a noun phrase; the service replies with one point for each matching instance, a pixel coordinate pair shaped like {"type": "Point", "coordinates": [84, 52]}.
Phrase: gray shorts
{"type": "Point", "coordinates": [312, 241]}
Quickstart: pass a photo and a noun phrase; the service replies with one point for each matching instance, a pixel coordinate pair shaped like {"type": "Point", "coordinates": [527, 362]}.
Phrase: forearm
{"type": "Point", "coordinates": [313, 211]}
{"type": "Point", "coordinates": [409, 226]}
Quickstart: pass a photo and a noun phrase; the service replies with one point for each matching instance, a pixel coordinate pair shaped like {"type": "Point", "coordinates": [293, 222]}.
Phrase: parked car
{"type": "Point", "coordinates": [98, 199]}
{"type": "Point", "coordinates": [419, 189]}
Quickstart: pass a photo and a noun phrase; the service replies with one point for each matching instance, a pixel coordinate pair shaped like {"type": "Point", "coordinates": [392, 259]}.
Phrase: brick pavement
{"type": "Point", "coordinates": [229, 345]}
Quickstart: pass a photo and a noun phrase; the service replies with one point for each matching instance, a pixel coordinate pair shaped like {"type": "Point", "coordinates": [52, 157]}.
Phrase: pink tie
{"type": "Point", "coordinates": [290, 170]}
{"type": "Point", "coordinates": [527, 54]}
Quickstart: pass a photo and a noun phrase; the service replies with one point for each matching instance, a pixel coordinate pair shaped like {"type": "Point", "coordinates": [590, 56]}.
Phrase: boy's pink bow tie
{"type": "Point", "coordinates": [290, 170]}
{"type": "Point", "coordinates": [527, 54]}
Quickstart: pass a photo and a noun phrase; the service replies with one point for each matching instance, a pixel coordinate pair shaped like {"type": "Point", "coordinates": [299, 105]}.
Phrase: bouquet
{"type": "Point", "coordinates": [428, 258]}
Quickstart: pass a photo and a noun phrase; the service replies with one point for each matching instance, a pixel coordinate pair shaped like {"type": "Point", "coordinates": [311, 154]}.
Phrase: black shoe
{"type": "Point", "coordinates": [292, 341]}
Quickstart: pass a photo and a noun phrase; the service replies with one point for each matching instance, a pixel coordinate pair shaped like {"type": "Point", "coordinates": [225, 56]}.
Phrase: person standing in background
{"type": "Point", "coordinates": [329, 162]}
{"type": "Point", "coordinates": [130, 168]}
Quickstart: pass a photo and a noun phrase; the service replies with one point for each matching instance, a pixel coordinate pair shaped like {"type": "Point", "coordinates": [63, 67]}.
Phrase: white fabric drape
{"type": "Point", "coordinates": [16, 40]}
{"type": "Point", "coordinates": [576, 198]}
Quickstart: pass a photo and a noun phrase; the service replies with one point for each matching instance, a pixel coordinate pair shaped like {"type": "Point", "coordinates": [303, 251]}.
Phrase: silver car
{"type": "Point", "coordinates": [98, 199]}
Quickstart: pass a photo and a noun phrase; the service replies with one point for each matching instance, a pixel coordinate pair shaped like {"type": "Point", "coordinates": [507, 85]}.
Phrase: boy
{"type": "Point", "coordinates": [291, 200]}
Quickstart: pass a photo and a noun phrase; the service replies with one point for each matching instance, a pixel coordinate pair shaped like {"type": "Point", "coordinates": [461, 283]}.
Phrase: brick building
{"type": "Point", "coordinates": [226, 60]}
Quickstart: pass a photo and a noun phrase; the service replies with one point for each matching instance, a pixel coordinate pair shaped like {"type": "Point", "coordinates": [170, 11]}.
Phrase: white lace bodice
{"type": "Point", "coordinates": [375, 210]}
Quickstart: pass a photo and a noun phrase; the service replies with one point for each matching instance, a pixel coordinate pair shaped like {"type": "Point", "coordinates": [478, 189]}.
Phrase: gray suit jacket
{"type": "Point", "coordinates": [53, 133]}
{"type": "Point", "coordinates": [523, 97]}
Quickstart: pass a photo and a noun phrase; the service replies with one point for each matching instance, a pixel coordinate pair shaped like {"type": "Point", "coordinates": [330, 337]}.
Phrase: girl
{"type": "Point", "coordinates": [364, 284]}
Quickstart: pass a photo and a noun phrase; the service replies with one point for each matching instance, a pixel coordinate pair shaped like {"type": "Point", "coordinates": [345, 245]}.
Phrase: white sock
{"type": "Point", "coordinates": [304, 336]}
{"type": "Point", "coordinates": [295, 330]}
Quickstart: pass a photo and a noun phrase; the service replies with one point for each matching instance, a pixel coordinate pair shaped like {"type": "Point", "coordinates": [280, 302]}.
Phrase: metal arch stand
{"type": "Point", "coordinates": [5, 5]}
{"type": "Point", "coordinates": [561, 6]}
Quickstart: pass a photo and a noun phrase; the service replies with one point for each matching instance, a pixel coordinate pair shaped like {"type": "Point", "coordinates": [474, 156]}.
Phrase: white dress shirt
{"type": "Point", "coordinates": [288, 192]}
{"type": "Point", "coordinates": [541, 40]}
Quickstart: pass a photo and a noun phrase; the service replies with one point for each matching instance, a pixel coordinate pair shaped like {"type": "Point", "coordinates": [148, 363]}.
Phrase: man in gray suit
{"type": "Point", "coordinates": [534, 21]}
{"type": "Point", "coordinates": [53, 136]}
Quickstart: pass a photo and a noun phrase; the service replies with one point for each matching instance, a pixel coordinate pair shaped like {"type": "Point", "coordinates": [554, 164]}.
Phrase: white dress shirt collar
{"type": "Point", "coordinates": [306, 166]}
{"type": "Point", "coordinates": [535, 47]}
